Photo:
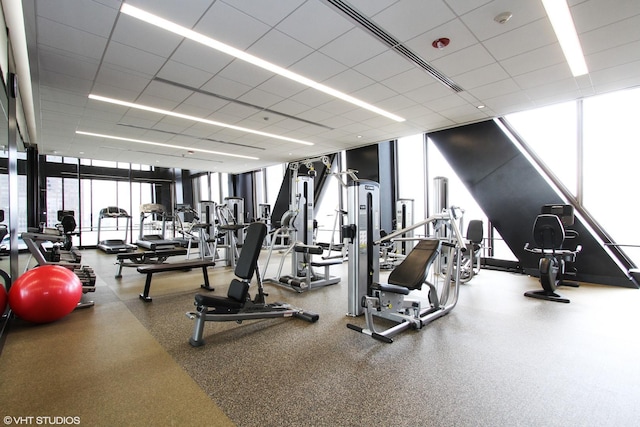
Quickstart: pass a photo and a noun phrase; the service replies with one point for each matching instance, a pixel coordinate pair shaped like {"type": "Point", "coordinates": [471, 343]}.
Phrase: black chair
{"type": "Point", "coordinates": [549, 235]}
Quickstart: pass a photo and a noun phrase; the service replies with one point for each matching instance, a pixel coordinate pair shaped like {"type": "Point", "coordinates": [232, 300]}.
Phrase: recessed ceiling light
{"type": "Point", "coordinates": [244, 56]}
{"type": "Point", "coordinates": [160, 144]}
{"type": "Point", "coordinates": [196, 119]}
{"type": "Point", "coordinates": [480, 107]}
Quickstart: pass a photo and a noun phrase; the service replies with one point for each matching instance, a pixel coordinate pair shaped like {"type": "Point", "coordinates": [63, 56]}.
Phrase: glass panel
{"type": "Point", "coordinates": [54, 159]}
{"type": "Point", "coordinates": [54, 200]}
{"type": "Point", "coordinates": [224, 185]}
{"type": "Point", "coordinates": [104, 164]}
{"type": "Point", "coordinates": [460, 196]}
{"type": "Point", "coordinates": [611, 153]}
{"type": "Point", "coordinates": [411, 172]}
{"type": "Point", "coordinates": [327, 211]}
{"type": "Point", "coordinates": [274, 177]}
{"type": "Point", "coordinates": [551, 132]}
{"type": "Point", "coordinates": [214, 193]}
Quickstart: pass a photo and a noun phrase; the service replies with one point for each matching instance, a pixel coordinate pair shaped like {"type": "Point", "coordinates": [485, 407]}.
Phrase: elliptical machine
{"type": "Point", "coordinates": [549, 234]}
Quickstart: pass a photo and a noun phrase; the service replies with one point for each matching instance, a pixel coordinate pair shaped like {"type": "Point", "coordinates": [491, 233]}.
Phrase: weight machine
{"type": "Point", "coordinates": [366, 295]}
{"type": "Point", "coordinates": [297, 225]}
{"type": "Point", "coordinates": [231, 225]}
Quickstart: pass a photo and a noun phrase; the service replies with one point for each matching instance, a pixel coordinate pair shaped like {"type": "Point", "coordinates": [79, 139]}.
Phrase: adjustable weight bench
{"type": "Point", "coordinates": [238, 305]}
{"type": "Point", "coordinates": [151, 269]}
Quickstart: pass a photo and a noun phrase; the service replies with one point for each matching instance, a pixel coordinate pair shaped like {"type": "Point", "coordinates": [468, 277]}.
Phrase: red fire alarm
{"type": "Point", "coordinates": [440, 43]}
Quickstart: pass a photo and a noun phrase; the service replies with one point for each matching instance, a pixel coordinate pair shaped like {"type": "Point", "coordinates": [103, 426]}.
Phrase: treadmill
{"type": "Point", "coordinates": [154, 242]}
{"type": "Point", "coordinates": [114, 246]}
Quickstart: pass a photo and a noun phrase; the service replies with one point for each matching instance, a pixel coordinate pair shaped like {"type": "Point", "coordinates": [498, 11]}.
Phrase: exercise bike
{"type": "Point", "coordinates": [549, 234]}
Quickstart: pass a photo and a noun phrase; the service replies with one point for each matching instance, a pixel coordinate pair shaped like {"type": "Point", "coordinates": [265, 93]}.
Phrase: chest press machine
{"type": "Point", "coordinates": [366, 295]}
{"type": "Point", "coordinates": [238, 305]}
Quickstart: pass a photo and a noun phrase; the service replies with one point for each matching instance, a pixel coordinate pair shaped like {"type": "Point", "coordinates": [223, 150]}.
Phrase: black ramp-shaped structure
{"type": "Point", "coordinates": [511, 191]}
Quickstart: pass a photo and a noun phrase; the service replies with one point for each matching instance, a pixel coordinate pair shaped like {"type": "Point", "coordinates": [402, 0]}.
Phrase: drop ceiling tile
{"type": "Point", "coordinates": [88, 16]}
{"type": "Point", "coordinates": [407, 19]}
{"type": "Point", "coordinates": [73, 66]}
{"type": "Point", "coordinates": [533, 60]}
{"type": "Point", "coordinates": [73, 42]}
{"type": "Point", "coordinates": [279, 49]}
{"type": "Point", "coordinates": [245, 74]}
{"type": "Point", "coordinates": [133, 59]}
{"type": "Point", "coordinates": [543, 76]}
{"type": "Point", "coordinates": [481, 76]}
{"type": "Point", "coordinates": [315, 24]}
{"type": "Point", "coordinates": [268, 12]}
{"type": "Point", "coordinates": [184, 74]}
{"type": "Point", "coordinates": [384, 66]}
{"type": "Point", "coordinates": [198, 56]}
{"type": "Point", "coordinates": [470, 58]}
{"type": "Point", "coordinates": [349, 81]}
{"type": "Point", "coordinates": [522, 39]}
{"type": "Point", "coordinates": [460, 7]}
{"type": "Point", "coordinates": [231, 26]}
{"type": "Point", "coordinates": [354, 47]}
{"type": "Point", "coordinates": [491, 90]}
{"type": "Point", "coordinates": [618, 55]}
{"type": "Point", "coordinates": [371, 7]}
{"type": "Point", "coordinates": [590, 15]}
{"type": "Point", "coordinates": [481, 20]}
{"type": "Point", "coordinates": [317, 66]}
{"type": "Point", "coordinates": [116, 83]}
{"type": "Point", "coordinates": [137, 34]}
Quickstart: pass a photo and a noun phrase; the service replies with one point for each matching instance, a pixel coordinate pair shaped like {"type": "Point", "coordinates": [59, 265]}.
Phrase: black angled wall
{"type": "Point", "coordinates": [511, 191]}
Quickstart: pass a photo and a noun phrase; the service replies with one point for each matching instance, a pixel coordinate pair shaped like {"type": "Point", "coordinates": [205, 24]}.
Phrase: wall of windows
{"type": "Point", "coordinates": [604, 178]}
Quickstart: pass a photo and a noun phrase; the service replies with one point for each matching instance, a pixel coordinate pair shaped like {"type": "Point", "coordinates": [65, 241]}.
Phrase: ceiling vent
{"type": "Point", "coordinates": [389, 40]}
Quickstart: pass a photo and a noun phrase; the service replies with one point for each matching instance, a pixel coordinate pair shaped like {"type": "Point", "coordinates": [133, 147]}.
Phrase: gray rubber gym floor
{"type": "Point", "coordinates": [498, 359]}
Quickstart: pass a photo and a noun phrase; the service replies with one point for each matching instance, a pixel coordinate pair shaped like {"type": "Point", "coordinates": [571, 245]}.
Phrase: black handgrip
{"type": "Point", "coordinates": [354, 327]}
{"type": "Point", "coordinates": [381, 338]}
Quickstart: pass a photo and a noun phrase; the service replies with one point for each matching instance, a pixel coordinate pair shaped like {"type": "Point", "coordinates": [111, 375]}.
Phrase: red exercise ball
{"type": "Point", "coordinates": [45, 294]}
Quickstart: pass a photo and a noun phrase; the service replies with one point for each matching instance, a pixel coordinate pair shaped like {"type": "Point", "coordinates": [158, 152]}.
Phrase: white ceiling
{"type": "Point", "coordinates": [78, 47]}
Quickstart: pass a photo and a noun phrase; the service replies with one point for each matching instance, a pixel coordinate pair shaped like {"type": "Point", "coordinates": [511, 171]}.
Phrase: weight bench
{"type": "Point", "coordinates": [135, 259]}
{"type": "Point", "coordinates": [151, 269]}
{"type": "Point", "coordinates": [238, 306]}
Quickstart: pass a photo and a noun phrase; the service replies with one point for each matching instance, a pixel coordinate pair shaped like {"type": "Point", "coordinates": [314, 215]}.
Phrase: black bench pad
{"type": "Point", "coordinates": [150, 269]}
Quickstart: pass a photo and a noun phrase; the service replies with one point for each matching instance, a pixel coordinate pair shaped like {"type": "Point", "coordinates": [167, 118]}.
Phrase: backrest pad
{"type": "Point", "coordinates": [548, 232]}
{"type": "Point", "coordinates": [412, 271]}
{"type": "Point", "coordinates": [248, 259]}
{"type": "Point", "coordinates": [474, 231]}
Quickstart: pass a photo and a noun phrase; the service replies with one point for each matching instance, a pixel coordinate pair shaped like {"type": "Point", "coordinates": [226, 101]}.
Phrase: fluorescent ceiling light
{"type": "Point", "coordinates": [159, 144]}
{"type": "Point", "coordinates": [195, 119]}
{"type": "Point", "coordinates": [219, 46]}
{"type": "Point", "coordinates": [562, 24]}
